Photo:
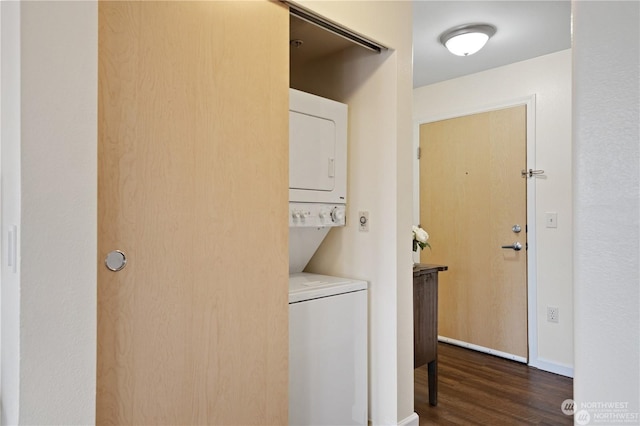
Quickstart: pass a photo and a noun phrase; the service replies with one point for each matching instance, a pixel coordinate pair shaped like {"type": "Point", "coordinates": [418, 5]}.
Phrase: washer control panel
{"type": "Point", "coordinates": [316, 215]}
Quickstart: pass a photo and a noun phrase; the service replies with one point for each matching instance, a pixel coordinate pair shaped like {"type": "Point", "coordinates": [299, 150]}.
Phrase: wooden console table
{"type": "Point", "coordinates": [425, 323]}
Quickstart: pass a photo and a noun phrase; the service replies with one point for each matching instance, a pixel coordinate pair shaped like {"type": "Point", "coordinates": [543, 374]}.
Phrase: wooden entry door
{"type": "Point", "coordinates": [471, 196]}
{"type": "Point", "coordinates": [193, 160]}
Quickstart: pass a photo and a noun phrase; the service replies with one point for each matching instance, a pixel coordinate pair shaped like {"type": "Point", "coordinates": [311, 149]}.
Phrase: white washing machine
{"type": "Point", "coordinates": [327, 350]}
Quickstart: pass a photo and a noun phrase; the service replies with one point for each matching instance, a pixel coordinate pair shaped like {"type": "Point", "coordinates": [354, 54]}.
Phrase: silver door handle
{"type": "Point", "coordinates": [115, 261]}
{"type": "Point", "coordinates": [515, 246]}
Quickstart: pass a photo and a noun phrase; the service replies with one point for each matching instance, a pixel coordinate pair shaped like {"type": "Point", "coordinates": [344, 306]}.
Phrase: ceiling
{"type": "Point", "coordinates": [525, 30]}
{"type": "Point", "coordinates": [310, 42]}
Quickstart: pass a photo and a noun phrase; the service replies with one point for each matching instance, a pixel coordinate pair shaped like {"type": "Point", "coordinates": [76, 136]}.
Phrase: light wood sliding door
{"type": "Point", "coordinates": [472, 196]}
{"type": "Point", "coordinates": [193, 170]}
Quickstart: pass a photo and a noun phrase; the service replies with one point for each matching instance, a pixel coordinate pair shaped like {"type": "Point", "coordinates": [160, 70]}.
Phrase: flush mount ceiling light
{"type": "Point", "coordinates": [467, 39]}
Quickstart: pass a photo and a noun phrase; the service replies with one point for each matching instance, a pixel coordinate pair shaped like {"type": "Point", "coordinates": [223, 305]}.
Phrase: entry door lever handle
{"type": "Point", "coordinates": [515, 246]}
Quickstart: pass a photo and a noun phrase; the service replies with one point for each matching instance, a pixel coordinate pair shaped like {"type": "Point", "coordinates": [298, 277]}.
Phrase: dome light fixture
{"type": "Point", "coordinates": [467, 39]}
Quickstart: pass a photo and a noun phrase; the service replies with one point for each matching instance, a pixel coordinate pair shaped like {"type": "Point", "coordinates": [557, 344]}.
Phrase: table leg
{"type": "Point", "coordinates": [432, 370]}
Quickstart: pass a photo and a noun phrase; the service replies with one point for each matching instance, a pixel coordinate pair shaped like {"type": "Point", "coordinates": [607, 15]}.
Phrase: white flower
{"type": "Point", "coordinates": [420, 238]}
{"type": "Point", "coordinates": [420, 234]}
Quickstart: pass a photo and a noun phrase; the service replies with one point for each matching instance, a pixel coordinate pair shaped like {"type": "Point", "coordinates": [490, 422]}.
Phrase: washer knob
{"type": "Point", "coordinates": [337, 215]}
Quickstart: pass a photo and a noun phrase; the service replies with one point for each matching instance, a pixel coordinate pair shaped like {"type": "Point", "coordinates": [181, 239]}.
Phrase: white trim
{"type": "Point", "coordinates": [416, 180]}
{"type": "Point", "coordinates": [483, 349]}
{"type": "Point", "coordinates": [1, 222]}
{"type": "Point", "coordinates": [532, 287]}
{"type": "Point", "coordinates": [10, 204]}
{"type": "Point", "coordinates": [521, 100]}
{"type": "Point", "coordinates": [412, 420]}
{"type": "Point", "coordinates": [532, 262]}
{"type": "Point", "coordinates": [552, 367]}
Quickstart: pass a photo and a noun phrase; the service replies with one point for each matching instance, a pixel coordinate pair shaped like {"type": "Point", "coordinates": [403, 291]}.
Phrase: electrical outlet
{"type": "Point", "coordinates": [553, 314]}
{"type": "Point", "coordinates": [363, 218]}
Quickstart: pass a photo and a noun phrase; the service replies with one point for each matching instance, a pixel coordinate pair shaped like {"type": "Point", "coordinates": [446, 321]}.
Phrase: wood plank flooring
{"type": "Point", "coordinates": [480, 389]}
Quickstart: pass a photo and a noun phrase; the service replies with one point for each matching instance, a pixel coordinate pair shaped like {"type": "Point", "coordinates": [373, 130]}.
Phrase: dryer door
{"type": "Point", "coordinates": [312, 150]}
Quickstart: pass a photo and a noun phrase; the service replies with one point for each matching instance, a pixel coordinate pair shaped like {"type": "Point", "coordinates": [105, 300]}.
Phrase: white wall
{"type": "Point", "coordinates": [10, 147]}
{"type": "Point", "coordinates": [606, 156]}
{"type": "Point", "coordinates": [378, 91]}
{"type": "Point", "coordinates": [56, 153]}
{"type": "Point", "coordinates": [549, 78]}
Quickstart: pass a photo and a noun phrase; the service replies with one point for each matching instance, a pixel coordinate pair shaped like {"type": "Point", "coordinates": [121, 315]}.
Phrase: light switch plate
{"type": "Point", "coordinates": [551, 219]}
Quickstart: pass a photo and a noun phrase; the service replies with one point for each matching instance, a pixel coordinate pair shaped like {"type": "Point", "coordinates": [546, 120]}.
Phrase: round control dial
{"type": "Point", "coordinates": [337, 215]}
{"type": "Point", "coordinates": [324, 215]}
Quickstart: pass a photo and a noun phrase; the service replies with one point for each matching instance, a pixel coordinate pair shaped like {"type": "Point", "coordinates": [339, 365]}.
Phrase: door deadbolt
{"type": "Point", "coordinates": [516, 229]}
{"type": "Point", "coordinates": [115, 261]}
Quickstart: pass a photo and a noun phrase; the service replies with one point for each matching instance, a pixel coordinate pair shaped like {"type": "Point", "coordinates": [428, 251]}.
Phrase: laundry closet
{"type": "Point", "coordinates": [328, 315]}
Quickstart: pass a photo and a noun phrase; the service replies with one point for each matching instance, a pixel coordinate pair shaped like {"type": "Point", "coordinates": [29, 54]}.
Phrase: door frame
{"type": "Point", "coordinates": [532, 289]}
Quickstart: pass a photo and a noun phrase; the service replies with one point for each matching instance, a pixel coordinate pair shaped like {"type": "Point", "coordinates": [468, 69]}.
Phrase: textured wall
{"type": "Point", "coordinates": [606, 154]}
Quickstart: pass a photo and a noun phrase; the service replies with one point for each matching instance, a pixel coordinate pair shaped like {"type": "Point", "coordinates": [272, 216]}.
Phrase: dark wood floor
{"type": "Point", "coordinates": [480, 389]}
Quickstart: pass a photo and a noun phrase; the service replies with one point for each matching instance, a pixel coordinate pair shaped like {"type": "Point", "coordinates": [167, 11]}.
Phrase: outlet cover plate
{"type": "Point", "coordinates": [363, 221]}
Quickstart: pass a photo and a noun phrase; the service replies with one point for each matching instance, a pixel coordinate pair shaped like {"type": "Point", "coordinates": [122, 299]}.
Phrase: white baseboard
{"type": "Point", "coordinates": [539, 363]}
{"type": "Point", "coordinates": [551, 367]}
{"type": "Point", "coordinates": [483, 349]}
{"type": "Point", "coordinates": [412, 420]}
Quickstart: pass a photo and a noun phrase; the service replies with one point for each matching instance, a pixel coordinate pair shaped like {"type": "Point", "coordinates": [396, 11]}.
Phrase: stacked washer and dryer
{"type": "Point", "coordinates": [327, 315]}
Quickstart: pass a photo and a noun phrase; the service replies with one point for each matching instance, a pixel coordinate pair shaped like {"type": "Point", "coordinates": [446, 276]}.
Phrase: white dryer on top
{"type": "Point", "coordinates": [317, 149]}
{"type": "Point", "coordinates": [317, 173]}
